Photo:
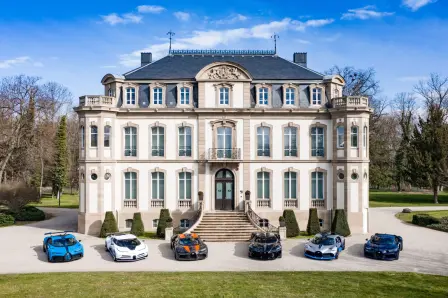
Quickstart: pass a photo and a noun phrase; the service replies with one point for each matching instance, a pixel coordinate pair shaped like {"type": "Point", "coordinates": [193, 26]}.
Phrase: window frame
{"type": "Point", "coordinates": [290, 126]}
{"type": "Point", "coordinates": [263, 128]}
{"type": "Point", "coordinates": [183, 225]}
{"type": "Point", "coordinates": [224, 96]}
{"type": "Point", "coordinates": [157, 100]}
{"type": "Point", "coordinates": [354, 137]}
{"type": "Point", "coordinates": [263, 179]}
{"type": "Point", "coordinates": [158, 126]}
{"type": "Point", "coordinates": [290, 183]}
{"type": "Point", "coordinates": [131, 128]}
{"type": "Point", "coordinates": [159, 192]}
{"type": "Point", "coordinates": [83, 137]}
{"type": "Point", "coordinates": [107, 135]}
{"type": "Point", "coordinates": [129, 101]}
{"type": "Point", "coordinates": [131, 190]}
{"type": "Point", "coordinates": [364, 137]}
{"type": "Point", "coordinates": [340, 137]}
{"type": "Point", "coordinates": [316, 190]}
{"type": "Point", "coordinates": [185, 136]}
{"type": "Point", "coordinates": [185, 179]}
{"type": "Point", "coordinates": [267, 90]}
{"type": "Point", "coordinates": [156, 220]}
{"type": "Point", "coordinates": [317, 127]}
{"type": "Point", "coordinates": [93, 136]}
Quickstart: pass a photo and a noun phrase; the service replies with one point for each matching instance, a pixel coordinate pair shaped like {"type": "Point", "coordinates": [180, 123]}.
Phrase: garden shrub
{"type": "Point", "coordinates": [424, 220]}
{"type": "Point", "coordinates": [164, 215]}
{"type": "Point", "coordinates": [313, 226]}
{"type": "Point", "coordinates": [109, 225]}
{"type": "Point", "coordinates": [137, 229]}
{"type": "Point", "coordinates": [17, 195]}
{"type": "Point", "coordinates": [6, 220]}
{"type": "Point", "coordinates": [442, 226]}
{"type": "Point", "coordinates": [29, 213]}
{"type": "Point", "coordinates": [340, 224]}
{"type": "Point", "coordinates": [281, 221]}
{"type": "Point", "coordinates": [292, 227]}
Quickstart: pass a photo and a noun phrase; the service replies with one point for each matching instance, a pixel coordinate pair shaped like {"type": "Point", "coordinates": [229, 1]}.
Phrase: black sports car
{"type": "Point", "coordinates": [265, 246]}
{"type": "Point", "coordinates": [383, 246]}
{"type": "Point", "coordinates": [188, 247]}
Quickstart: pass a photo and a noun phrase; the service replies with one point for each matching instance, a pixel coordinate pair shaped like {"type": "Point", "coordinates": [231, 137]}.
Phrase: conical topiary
{"type": "Point", "coordinates": [109, 225]}
{"type": "Point", "coordinates": [164, 215]}
{"type": "Point", "coordinates": [137, 229]}
{"type": "Point", "coordinates": [313, 226]}
{"type": "Point", "coordinates": [292, 227]}
{"type": "Point", "coordinates": [340, 223]}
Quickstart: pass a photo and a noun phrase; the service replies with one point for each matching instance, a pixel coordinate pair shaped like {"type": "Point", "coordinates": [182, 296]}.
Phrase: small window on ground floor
{"type": "Point", "coordinates": [184, 223]}
{"type": "Point", "coordinates": [155, 223]}
{"type": "Point", "coordinates": [321, 222]}
{"type": "Point", "coordinates": [129, 223]}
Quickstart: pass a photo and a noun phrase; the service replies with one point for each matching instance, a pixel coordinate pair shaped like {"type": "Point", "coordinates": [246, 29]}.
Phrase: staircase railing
{"type": "Point", "coordinates": [261, 223]}
{"type": "Point", "coordinates": [195, 218]}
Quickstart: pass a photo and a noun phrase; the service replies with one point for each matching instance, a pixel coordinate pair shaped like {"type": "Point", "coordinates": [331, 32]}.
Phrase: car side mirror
{"type": "Point", "coordinates": [79, 240]}
{"type": "Point", "coordinates": [367, 239]}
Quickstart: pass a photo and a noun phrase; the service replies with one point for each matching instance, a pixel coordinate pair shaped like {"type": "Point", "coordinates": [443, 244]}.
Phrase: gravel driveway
{"type": "Point", "coordinates": [425, 251]}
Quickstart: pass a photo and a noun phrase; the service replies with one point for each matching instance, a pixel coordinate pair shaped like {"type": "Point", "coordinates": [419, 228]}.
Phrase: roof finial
{"type": "Point", "coordinates": [171, 34]}
{"type": "Point", "coordinates": [275, 36]}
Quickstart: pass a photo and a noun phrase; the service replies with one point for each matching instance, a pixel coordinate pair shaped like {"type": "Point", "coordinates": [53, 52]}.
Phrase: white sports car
{"type": "Point", "coordinates": [125, 247]}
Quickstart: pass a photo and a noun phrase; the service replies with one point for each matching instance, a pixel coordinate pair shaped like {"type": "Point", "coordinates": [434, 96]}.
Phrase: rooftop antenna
{"type": "Point", "coordinates": [171, 34]}
{"type": "Point", "coordinates": [275, 37]}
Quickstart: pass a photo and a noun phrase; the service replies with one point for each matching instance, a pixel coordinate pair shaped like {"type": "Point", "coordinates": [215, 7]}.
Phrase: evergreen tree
{"type": "Point", "coordinates": [313, 226]}
{"type": "Point", "coordinates": [61, 161]}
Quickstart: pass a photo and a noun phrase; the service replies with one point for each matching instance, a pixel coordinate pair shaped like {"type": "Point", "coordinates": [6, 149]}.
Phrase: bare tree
{"type": "Point", "coordinates": [434, 91]}
{"type": "Point", "coordinates": [357, 81]}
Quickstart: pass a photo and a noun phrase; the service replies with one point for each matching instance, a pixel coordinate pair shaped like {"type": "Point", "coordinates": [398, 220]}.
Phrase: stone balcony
{"type": "Point", "coordinates": [350, 102]}
{"type": "Point", "coordinates": [224, 154]}
{"type": "Point", "coordinates": [97, 101]}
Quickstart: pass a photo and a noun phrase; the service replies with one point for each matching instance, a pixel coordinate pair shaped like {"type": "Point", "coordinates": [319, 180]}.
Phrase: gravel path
{"type": "Point", "coordinates": [425, 251]}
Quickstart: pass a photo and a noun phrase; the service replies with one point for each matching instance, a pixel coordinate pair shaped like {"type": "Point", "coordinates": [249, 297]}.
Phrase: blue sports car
{"type": "Point", "coordinates": [384, 247]}
{"type": "Point", "coordinates": [62, 246]}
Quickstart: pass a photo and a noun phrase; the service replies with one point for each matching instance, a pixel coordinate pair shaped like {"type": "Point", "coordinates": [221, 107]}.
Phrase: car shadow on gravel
{"type": "Point", "coordinates": [298, 250]}
{"type": "Point", "coordinates": [41, 256]}
{"type": "Point", "coordinates": [101, 250]}
{"type": "Point", "coordinates": [356, 250]}
{"type": "Point", "coordinates": [241, 250]}
{"type": "Point", "coordinates": [165, 251]}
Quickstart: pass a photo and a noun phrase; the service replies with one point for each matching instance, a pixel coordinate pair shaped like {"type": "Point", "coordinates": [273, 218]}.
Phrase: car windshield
{"type": "Point", "coordinates": [382, 240]}
{"type": "Point", "coordinates": [188, 241]}
{"type": "Point", "coordinates": [128, 242]}
{"type": "Point", "coordinates": [323, 241]}
{"type": "Point", "coordinates": [266, 239]}
{"type": "Point", "coordinates": [60, 242]}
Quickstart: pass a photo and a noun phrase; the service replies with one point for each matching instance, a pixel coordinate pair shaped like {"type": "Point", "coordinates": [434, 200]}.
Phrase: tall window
{"type": "Point", "coordinates": [224, 149]}
{"type": "Point", "coordinates": [157, 96]}
{"type": "Point", "coordinates": [290, 185]}
{"type": "Point", "coordinates": [263, 186]}
{"type": "Point", "coordinates": [185, 186]}
{"type": "Point", "coordinates": [290, 141]}
{"type": "Point", "coordinates": [185, 223]}
{"type": "Point", "coordinates": [223, 96]}
{"type": "Point", "coordinates": [263, 141]}
{"type": "Point", "coordinates": [130, 186]}
{"type": "Point", "coordinates": [158, 185]}
{"type": "Point", "coordinates": [317, 96]}
{"type": "Point", "coordinates": [263, 96]}
{"type": "Point", "coordinates": [110, 92]}
{"type": "Point", "coordinates": [185, 96]}
{"type": "Point", "coordinates": [340, 136]}
{"type": "Point", "coordinates": [317, 185]}
{"type": "Point", "coordinates": [364, 137]}
{"type": "Point", "coordinates": [317, 141]}
{"type": "Point", "coordinates": [354, 136]}
{"type": "Point", "coordinates": [83, 137]}
{"type": "Point", "coordinates": [185, 141]}
{"type": "Point", "coordinates": [130, 96]}
{"type": "Point", "coordinates": [290, 100]}
{"type": "Point", "coordinates": [94, 136]}
{"type": "Point", "coordinates": [107, 136]}
{"type": "Point", "coordinates": [130, 141]}
{"type": "Point", "coordinates": [158, 141]}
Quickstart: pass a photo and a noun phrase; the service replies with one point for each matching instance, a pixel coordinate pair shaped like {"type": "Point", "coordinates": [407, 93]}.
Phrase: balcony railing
{"type": "Point", "coordinates": [263, 203]}
{"type": "Point", "coordinates": [350, 101]}
{"type": "Point", "coordinates": [157, 203]}
{"type": "Point", "coordinates": [158, 151]}
{"type": "Point", "coordinates": [290, 204]}
{"type": "Point", "coordinates": [184, 204]}
{"type": "Point", "coordinates": [130, 203]}
{"type": "Point", "coordinates": [184, 150]}
{"type": "Point", "coordinates": [317, 203]}
{"type": "Point", "coordinates": [97, 100]}
{"type": "Point", "coordinates": [228, 154]}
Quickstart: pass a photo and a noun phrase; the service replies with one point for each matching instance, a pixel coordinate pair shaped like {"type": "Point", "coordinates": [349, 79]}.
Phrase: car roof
{"type": "Point", "coordinates": [192, 235]}
{"type": "Point", "coordinates": [384, 235]}
{"type": "Point", "coordinates": [125, 237]}
{"type": "Point", "coordinates": [326, 235]}
{"type": "Point", "coordinates": [59, 236]}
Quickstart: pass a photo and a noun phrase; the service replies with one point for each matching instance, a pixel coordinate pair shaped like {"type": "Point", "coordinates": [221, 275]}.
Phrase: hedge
{"type": "Point", "coordinates": [313, 226]}
{"type": "Point", "coordinates": [442, 226]}
{"type": "Point", "coordinates": [292, 227]}
{"type": "Point", "coordinates": [424, 220]}
{"type": "Point", "coordinates": [6, 220]}
{"type": "Point", "coordinates": [137, 229]}
{"type": "Point", "coordinates": [109, 225]}
{"type": "Point", "coordinates": [340, 224]}
{"type": "Point", "coordinates": [164, 215]}
{"type": "Point", "coordinates": [29, 213]}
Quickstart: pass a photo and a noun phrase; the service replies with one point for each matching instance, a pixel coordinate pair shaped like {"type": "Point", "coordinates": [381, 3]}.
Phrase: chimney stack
{"type": "Point", "coordinates": [300, 58]}
{"type": "Point", "coordinates": [146, 58]}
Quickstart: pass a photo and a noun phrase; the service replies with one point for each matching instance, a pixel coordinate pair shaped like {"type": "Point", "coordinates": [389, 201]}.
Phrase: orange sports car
{"type": "Point", "coordinates": [188, 247]}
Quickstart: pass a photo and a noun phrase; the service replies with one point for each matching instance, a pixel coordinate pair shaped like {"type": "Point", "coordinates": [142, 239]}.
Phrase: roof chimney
{"type": "Point", "coordinates": [300, 58]}
{"type": "Point", "coordinates": [146, 58]}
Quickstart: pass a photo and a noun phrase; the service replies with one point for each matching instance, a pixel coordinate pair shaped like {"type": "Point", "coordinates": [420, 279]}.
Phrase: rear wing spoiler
{"type": "Point", "coordinates": [116, 233]}
{"type": "Point", "coordinates": [60, 232]}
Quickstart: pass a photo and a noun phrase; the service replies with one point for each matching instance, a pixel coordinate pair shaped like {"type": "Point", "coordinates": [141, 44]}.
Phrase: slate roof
{"type": "Point", "coordinates": [269, 67]}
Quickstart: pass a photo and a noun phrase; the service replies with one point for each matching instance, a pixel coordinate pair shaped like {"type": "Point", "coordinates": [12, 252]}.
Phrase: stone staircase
{"type": "Point", "coordinates": [225, 226]}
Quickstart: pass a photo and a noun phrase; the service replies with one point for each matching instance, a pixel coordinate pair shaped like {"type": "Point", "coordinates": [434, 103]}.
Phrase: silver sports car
{"type": "Point", "coordinates": [324, 247]}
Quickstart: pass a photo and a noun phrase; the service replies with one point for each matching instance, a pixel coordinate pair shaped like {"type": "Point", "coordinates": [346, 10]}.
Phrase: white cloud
{"type": "Point", "coordinates": [182, 16]}
{"type": "Point", "coordinates": [108, 66]}
{"type": "Point", "coordinates": [412, 79]}
{"type": "Point", "coordinates": [15, 61]}
{"type": "Point", "coordinates": [332, 38]}
{"type": "Point", "coordinates": [38, 64]}
{"type": "Point", "coordinates": [303, 41]}
{"type": "Point", "coordinates": [232, 19]}
{"type": "Point", "coordinates": [364, 13]}
{"type": "Point", "coordinates": [415, 5]}
{"type": "Point", "coordinates": [301, 26]}
{"type": "Point", "coordinates": [150, 9]}
{"type": "Point", "coordinates": [113, 18]}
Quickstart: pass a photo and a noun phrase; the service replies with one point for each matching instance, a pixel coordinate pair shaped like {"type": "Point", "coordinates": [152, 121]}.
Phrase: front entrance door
{"type": "Point", "coordinates": [224, 190]}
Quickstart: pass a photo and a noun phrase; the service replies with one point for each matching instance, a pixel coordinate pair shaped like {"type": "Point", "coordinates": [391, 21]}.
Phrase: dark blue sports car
{"type": "Point", "coordinates": [62, 246]}
{"type": "Point", "coordinates": [265, 246]}
{"type": "Point", "coordinates": [384, 247]}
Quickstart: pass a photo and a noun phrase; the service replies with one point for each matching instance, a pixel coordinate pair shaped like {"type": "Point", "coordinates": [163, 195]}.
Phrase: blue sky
{"type": "Point", "coordinates": [76, 42]}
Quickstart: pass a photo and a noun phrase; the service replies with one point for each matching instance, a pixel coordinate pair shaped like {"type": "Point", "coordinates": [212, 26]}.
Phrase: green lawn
{"type": "Point", "coordinates": [67, 201]}
{"type": "Point", "coordinates": [407, 217]}
{"type": "Point", "coordinates": [402, 199]}
{"type": "Point", "coordinates": [224, 284]}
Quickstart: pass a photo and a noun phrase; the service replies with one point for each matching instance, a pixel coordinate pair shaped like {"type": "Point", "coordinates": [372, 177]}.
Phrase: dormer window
{"type": "Point", "coordinates": [263, 96]}
{"type": "Point", "coordinates": [157, 96]}
{"type": "Point", "coordinates": [317, 96]}
{"type": "Point", "coordinates": [223, 96]}
{"type": "Point", "coordinates": [290, 98]}
{"type": "Point", "coordinates": [184, 96]}
{"type": "Point", "coordinates": [110, 92]}
{"type": "Point", "coordinates": [130, 96]}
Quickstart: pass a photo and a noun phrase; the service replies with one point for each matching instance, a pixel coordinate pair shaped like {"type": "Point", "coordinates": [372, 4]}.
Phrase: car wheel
{"type": "Point", "coordinates": [397, 256]}
{"type": "Point", "coordinates": [400, 246]}
{"type": "Point", "coordinates": [336, 256]}
{"type": "Point", "coordinates": [343, 245]}
{"type": "Point", "coordinates": [43, 248]}
{"type": "Point", "coordinates": [279, 256]}
{"type": "Point", "coordinates": [49, 259]}
{"type": "Point", "coordinates": [175, 256]}
{"type": "Point", "coordinates": [105, 247]}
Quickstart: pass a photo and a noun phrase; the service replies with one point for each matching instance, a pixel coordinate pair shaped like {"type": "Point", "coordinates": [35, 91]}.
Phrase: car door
{"type": "Point", "coordinates": [339, 243]}
{"type": "Point", "coordinates": [48, 244]}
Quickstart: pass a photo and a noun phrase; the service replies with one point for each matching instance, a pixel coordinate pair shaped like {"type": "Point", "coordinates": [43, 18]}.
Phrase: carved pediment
{"type": "Point", "coordinates": [224, 73]}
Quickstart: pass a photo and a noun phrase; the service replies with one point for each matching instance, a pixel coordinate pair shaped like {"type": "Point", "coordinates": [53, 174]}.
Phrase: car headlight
{"type": "Point", "coordinates": [180, 249]}
{"type": "Point", "coordinates": [368, 248]}
{"type": "Point", "coordinates": [78, 249]}
{"type": "Point", "coordinates": [277, 248]}
{"type": "Point", "coordinates": [202, 250]}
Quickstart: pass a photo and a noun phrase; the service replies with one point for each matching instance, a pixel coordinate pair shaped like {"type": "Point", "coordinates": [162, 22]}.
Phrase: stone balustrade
{"type": "Point", "coordinates": [350, 101]}
{"type": "Point", "coordinates": [97, 101]}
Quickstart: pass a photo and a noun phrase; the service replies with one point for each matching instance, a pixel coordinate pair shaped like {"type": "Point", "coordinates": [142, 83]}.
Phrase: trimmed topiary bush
{"type": "Point", "coordinates": [281, 221]}
{"type": "Point", "coordinates": [109, 225]}
{"type": "Point", "coordinates": [340, 223]}
{"type": "Point", "coordinates": [313, 226]}
{"type": "Point", "coordinates": [442, 226]}
{"type": "Point", "coordinates": [292, 227]}
{"type": "Point", "coordinates": [29, 213]}
{"type": "Point", "coordinates": [6, 220]}
{"type": "Point", "coordinates": [163, 218]}
{"type": "Point", "coordinates": [424, 220]}
{"type": "Point", "coordinates": [137, 229]}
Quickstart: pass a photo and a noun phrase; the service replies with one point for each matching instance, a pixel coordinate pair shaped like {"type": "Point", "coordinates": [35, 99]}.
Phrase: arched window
{"type": "Point", "coordinates": [290, 140]}
{"type": "Point", "coordinates": [110, 92]}
{"type": "Point", "coordinates": [184, 96]}
{"type": "Point", "coordinates": [129, 223]}
{"type": "Point", "coordinates": [130, 141]}
{"type": "Point", "coordinates": [290, 185]}
{"type": "Point", "coordinates": [263, 141]}
{"type": "Point", "coordinates": [184, 186]}
{"type": "Point", "coordinates": [158, 141]}
{"type": "Point", "coordinates": [317, 141]}
{"type": "Point", "coordinates": [184, 141]}
{"type": "Point", "coordinates": [94, 136]}
{"type": "Point", "coordinates": [317, 96]}
{"type": "Point", "coordinates": [223, 96]}
{"type": "Point", "coordinates": [130, 186]}
{"type": "Point", "coordinates": [317, 185]}
{"type": "Point", "coordinates": [354, 136]}
{"type": "Point", "coordinates": [107, 129]}
{"type": "Point", "coordinates": [130, 96]}
{"type": "Point", "coordinates": [263, 185]}
{"type": "Point", "coordinates": [158, 185]}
